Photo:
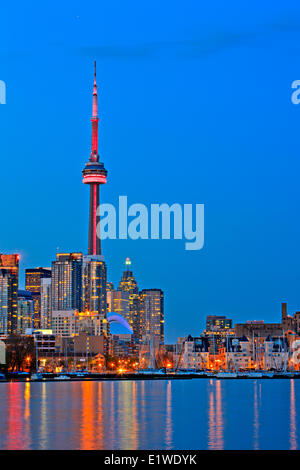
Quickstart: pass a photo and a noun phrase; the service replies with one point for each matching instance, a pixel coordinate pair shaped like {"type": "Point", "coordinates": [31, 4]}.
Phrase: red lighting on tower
{"type": "Point", "coordinates": [94, 174]}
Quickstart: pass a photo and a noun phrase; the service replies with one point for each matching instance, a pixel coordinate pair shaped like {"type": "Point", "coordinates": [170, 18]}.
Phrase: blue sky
{"type": "Point", "coordinates": [185, 87]}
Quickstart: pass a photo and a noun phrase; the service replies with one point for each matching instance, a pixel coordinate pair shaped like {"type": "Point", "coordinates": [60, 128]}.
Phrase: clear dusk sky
{"type": "Point", "coordinates": [195, 107]}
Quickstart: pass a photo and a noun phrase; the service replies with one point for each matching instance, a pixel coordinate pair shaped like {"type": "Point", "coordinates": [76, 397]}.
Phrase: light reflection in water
{"type": "Point", "coordinates": [27, 401]}
{"type": "Point", "coordinates": [134, 429]}
{"type": "Point", "coordinates": [169, 423]}
{"type": "Point", "coordinates": [43, 415]}
{"type": "Point", "coordinates": [88, 412]}
{"type": "Point", "coordinates": [215, 416]}
{"type": "Point", "coordinates": [16, 399]}
{"type": "Point", "coordinates": [149, 414]}
{"type": "Point", "coordinates": [256, 418]}
{"type": "Point", "coordinates": [211, 415]}
{"type": "Point", "coordinates": [111, 410]}
{"type": "Point", "coordinates": [293, 427]}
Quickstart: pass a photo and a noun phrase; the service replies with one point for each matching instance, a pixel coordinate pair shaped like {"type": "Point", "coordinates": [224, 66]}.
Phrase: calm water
{"type": "Point", "coordinates": [179, 414]}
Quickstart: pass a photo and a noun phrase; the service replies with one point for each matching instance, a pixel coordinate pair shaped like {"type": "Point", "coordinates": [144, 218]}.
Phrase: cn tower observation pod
{"type": "Point", "coordinates": [113, 317]}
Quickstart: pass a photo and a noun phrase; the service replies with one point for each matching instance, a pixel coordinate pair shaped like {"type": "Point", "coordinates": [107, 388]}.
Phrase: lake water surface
{"type": "Point", "coordinates": [162, 414]}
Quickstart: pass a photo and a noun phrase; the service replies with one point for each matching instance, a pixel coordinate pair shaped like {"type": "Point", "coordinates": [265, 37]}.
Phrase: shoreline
{"type": "Point", "coordinates": [141, 377]}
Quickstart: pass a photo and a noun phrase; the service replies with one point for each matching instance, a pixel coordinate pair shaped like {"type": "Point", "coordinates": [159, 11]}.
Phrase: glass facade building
{"type": "Point", "coordinates": [152, 315]}
{"type": "Point", "coordinates": [33, 278]}
{"type": "Point", "coordinates": [9, 282]}
{"type": "Point", "coordinates": [94, 291]}
{"type": "Point", "coordinates": [67, 282]}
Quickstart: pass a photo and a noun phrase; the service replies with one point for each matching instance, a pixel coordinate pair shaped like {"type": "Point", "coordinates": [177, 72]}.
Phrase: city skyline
{"type": "Point", "coordinates": [241, 168]}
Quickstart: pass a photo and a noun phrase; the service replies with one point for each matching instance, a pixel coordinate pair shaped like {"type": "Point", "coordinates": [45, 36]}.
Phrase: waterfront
{"type": "Point", "coordinates": [179, 414]}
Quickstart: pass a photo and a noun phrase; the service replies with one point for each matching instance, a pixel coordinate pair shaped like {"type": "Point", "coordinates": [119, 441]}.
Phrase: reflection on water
{"type": "Point", "coordinates": [178, 414]}
{"type": "Point", "coordinates": [215, 416]}
{"type": "Point", "coordinates": [168, 436]}
{"type": "Point", "coordinates": [293, 427]}
{"type": "Point", "coordinates": [256, 416]}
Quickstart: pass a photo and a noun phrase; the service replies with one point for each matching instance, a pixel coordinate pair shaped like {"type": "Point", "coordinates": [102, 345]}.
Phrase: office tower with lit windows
{"type": "Point", "coordinates": [118, 301]}
{"type": "Point", "coordinates": [152, 315]}
{"type": "Point", "coordinates": [25, 311]}
{"type": "Point", "coordinates": [218, 322]}
{"type": "Point", "coordinates": [46, 295]}
{"type": "Point", "coordinates": [94, 291]}
{"type": "Point", "coordinates": [33, 278]}
{"type": "Point", "coordinates": [128, 282]}
{"type": "Point", "coordinates": [67, 282]}
{"type": "Point", "coordinates": [129, 285]}
{"type": "Point", "coordinates": [109, 286]}
{"type": "Point", "coordinates": [9, 282]}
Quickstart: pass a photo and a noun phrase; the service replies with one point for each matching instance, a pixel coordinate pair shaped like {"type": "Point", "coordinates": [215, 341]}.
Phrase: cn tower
{"type": "Point", "coordinates": [94, 174]}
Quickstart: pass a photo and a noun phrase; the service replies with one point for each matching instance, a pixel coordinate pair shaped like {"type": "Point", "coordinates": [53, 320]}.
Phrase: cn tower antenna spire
{"type": "Point", "coordinates": [95, 96]}
{"type": "Point", "coordinates": [94, 151]}
{"type": "Point", "coordinates": [94, 174]}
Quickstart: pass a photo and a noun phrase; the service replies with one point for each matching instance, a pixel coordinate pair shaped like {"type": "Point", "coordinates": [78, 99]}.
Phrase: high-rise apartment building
{"type": "Point", "coordinates": [67, 282]}
{"type": "Point", "coordinates": [118, 301]}
{"type": "Point", "coordinates": [46, 296]}
{"type": "Point", "coordinates": [94, 291]}
{"type": "Point", "coordinates": [33, 278]}
{"type": "Point", "coordinates": [128, 285]}
{"type": "Point", "coordinates": [25, 311]}
{"type": "Point", "coordinates": [9, 282]}
{"type": "Point", "coordinates": [152, 315]}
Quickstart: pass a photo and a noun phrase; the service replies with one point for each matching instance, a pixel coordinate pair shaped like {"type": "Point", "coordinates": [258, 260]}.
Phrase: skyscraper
{"type": "Point", "coordinates": [94, 291]}
{"type": "Point", "coordinates": [25, 311]}
{"type": "Point", "coordinates": [94, 174]}
{"type": "Point", "coordinates": [128, 282]}
{"type": "Point", "coordinates": [33, 278]}
{"type": "Point", "coordinates": [118, 301]}
{"type": "Point", "coordinates": [152, 315]}
{"type": "Point", "coordinates": [129, 285]}
{"type": "Point", "coordinates": [46, 295]}
{"type": "Point", "coordinates": [67, 282]}
{"type": "Point", "coordinates": [9, 282]}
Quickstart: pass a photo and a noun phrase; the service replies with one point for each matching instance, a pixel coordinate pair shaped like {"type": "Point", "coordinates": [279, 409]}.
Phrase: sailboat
{"type": "Point", "coordinates": [151, 370]}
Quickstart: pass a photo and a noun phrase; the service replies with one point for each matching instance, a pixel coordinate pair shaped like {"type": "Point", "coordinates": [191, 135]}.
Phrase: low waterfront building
{"type": "Point", "coordinates": [85, 344]}
{"type": "Point", "coordinates": [123, 345]}
{"type": "Point", "coordinates": [45, 342]}
{"type": "Point", "coordinates": [258, 328]}
{"type": "Point", "coordinates": [194, 355]}
{"type": "Point", "coordinates": [236, 354]}
{"type": "Point", "coordinates": [64, 323]}
{"type": "Point", "coordinates": [275, 353]}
